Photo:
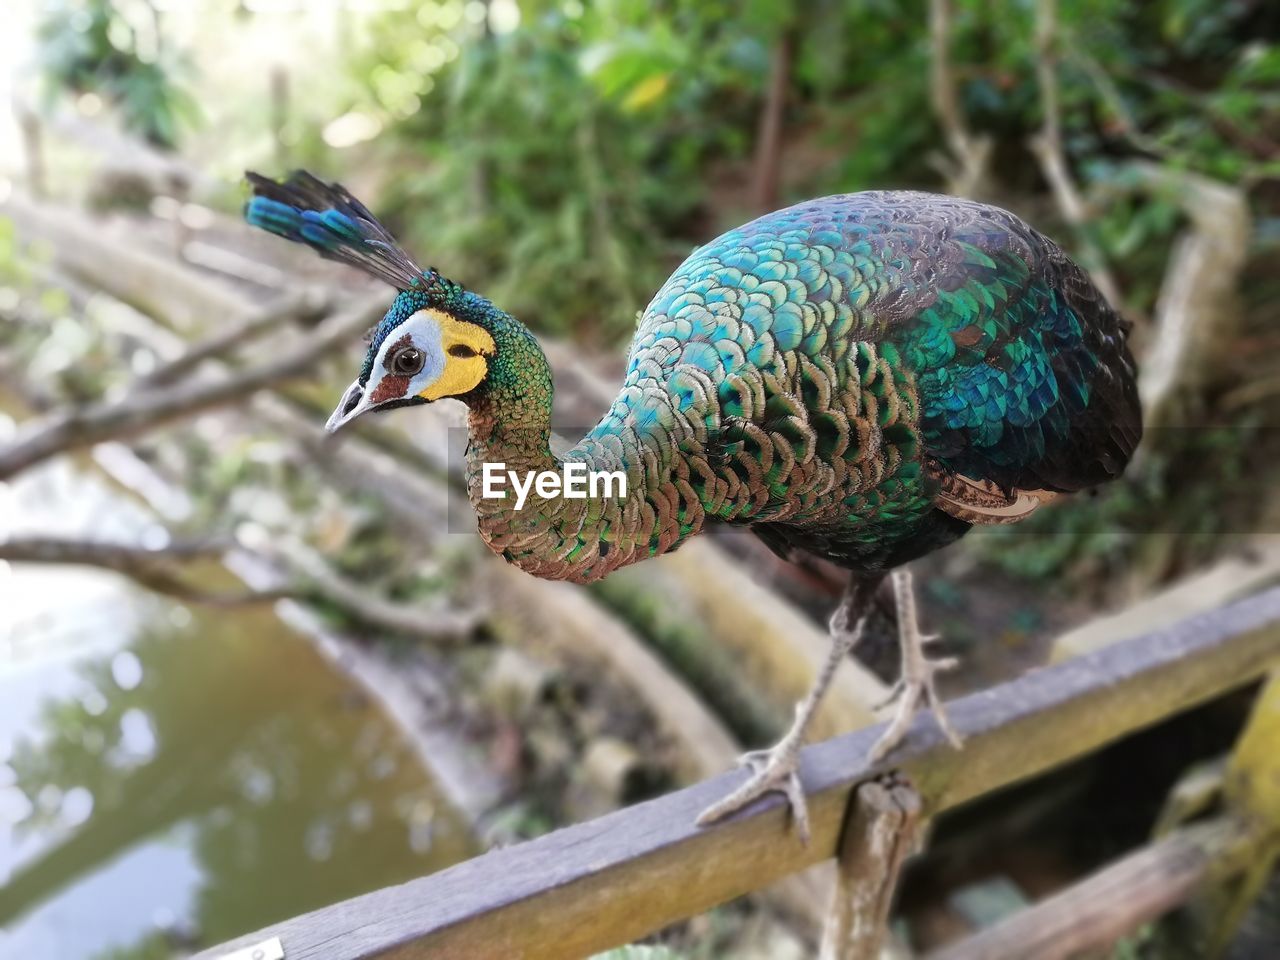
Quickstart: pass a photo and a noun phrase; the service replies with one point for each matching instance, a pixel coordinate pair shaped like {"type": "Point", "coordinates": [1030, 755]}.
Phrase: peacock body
{"type": "Point", "coordinates": [864, 377]}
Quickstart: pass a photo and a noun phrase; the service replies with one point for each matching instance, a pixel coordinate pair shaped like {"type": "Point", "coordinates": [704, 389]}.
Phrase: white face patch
{"type": "Point", "coordinates": [444, 373]}
{"type": "Point", "coordinates": [423, 331]}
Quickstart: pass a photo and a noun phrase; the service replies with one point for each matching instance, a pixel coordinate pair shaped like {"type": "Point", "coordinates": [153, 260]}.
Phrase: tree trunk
{"type": "Point", "coordinates": [767, 168]}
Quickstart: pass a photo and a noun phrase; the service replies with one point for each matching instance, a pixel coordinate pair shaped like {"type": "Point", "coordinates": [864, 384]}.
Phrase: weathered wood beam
{"type": "Point", "coordinates": [622, 876]}
{"type": "Point", "coordinates": [1253, 568]}
{"type": "Point", "coordinates": [1116, 900]}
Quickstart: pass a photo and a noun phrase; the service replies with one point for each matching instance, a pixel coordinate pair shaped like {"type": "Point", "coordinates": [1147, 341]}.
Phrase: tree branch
{"type": "Point", "coordinates": [107, 255]}
{"type": "Point", "coordinates": [111, 556]}
{"type": "Point", "coordinates": [1112, 97]}
{"type": "Point", "coordinates": [1196, 308]}
{"type": "Point", "coordinates": [145, 410]}
{"type": "Point", "coordinates": [410, 620]}
{"type": "Point", "coordinates": [967, 167]}
{"type": "Point", "coordinates": [151, 568]}
{"type": "Point", "coordinates": [767, 167]}
{"type": "Point", "coordinates": [1047, 147]}
{"type": "Point", "coordinates": [306, 577]}
{"type": "Point", "coordinates": [290, 307]}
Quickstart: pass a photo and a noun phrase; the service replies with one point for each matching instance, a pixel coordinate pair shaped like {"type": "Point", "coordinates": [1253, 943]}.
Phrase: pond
{"type": "Point", "coordinates": [174, 776]}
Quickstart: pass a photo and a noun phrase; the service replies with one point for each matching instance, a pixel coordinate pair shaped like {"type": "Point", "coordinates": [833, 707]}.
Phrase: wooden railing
{"type": "Point", "coordinates": [615, 879]}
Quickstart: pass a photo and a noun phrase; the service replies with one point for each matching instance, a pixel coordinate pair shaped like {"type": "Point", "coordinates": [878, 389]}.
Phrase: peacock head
{"type": "Point", "coordinates": [427, 347]}
{"type": "Point", "coordinates": [434, 341]}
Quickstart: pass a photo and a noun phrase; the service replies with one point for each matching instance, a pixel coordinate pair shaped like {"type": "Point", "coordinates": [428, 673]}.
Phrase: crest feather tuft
{"type": "Point", "coordinates": [327, 218]}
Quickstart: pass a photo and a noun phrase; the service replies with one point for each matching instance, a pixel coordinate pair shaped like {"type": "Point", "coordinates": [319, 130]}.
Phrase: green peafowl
{"type": "Point", "coordinates": [864, 377]}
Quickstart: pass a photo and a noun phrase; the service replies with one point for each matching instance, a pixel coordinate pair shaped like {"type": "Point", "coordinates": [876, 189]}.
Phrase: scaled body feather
{"type": "Point", "coordinates": [861, 376]}
{"type": "Point", "coordinates": [834, 372]}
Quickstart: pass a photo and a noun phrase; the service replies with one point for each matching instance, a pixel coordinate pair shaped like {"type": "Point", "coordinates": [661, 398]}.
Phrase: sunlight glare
{"type": "Point", "coordinates": [350, 129]}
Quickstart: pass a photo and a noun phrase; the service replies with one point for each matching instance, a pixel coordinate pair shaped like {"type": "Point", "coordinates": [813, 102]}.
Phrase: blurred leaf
{"type": "Point", "coordinates": [93, 46]}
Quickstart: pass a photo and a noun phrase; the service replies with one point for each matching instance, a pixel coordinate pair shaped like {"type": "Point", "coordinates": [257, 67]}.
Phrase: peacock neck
{"type": "Point", "coordinates": [510, 415]}
{"type": "Point", "coordinates": [557, 536]}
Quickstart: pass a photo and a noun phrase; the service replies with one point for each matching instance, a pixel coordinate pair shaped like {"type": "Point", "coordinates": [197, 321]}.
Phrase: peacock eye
{"type": "Point", "coordinates": [407, 362]}
{"type": "Point", "coordinates": [461, 351]}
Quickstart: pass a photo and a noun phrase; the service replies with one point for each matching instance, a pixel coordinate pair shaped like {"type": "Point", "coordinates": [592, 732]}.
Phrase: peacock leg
{"type": "Point", "coordinates": [777, 769]}
{"type": "Point", "coordinates": [916, 683]}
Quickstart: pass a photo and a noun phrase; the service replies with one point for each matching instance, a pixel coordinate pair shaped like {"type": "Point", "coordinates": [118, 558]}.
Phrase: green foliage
{"type": "Point", "coordinates": [551, 168]}
{"type": "Point", "coordinates": [1190, 82]}
{"type": "Point", "coordinates": [113, 50]}
{"type": "Point", "coordinates": [566, 162]}
{"type": "Point", "coordinates": [1136, 946]}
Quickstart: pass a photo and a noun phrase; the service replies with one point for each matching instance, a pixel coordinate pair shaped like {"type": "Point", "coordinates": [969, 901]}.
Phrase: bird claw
{"type": "Point", "coordinates": [775, 770]}
{"type": "Point", "coordinates": [914, 688]}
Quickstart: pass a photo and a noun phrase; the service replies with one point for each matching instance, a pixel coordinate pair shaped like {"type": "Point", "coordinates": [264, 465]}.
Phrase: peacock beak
{"type": "Point", "coordinates": [354, 402]}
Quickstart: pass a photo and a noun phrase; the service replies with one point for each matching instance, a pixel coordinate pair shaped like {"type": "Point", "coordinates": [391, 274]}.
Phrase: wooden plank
{"type": "Point", "coordinates": [1095, 913]}
{"type": "Point", "coordinates": [1255, 568]}
{"type": "Point", "coordinates": [611, 880]}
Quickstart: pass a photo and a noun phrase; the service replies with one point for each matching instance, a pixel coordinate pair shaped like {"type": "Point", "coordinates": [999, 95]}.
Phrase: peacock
{"type": "Point", "coordinates": [864, 377]}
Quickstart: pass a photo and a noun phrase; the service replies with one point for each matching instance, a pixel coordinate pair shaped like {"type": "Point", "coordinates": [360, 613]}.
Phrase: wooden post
{"type": "Point", "coordinates": [1252, 792]}
{"type": "Point", "coordinates": [1196, 793]}
{"type": "Point", "coordinates": [880, 833]}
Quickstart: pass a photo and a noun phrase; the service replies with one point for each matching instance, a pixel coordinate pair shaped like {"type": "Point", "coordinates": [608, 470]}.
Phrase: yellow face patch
{"type": "Point", "coordinates": [467, 348]}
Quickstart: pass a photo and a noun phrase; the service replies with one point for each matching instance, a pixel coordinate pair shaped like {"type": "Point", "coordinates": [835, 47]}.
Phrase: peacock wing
{"type": "Point", "coordinates": [1027, 387]}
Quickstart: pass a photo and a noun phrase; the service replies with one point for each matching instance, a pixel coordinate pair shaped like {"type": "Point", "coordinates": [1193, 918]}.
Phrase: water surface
{"type": "Point", "coordinates": [180, 775]}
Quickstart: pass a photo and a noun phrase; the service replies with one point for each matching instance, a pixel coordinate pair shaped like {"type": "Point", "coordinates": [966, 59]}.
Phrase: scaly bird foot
{"type": "Point", "coordinates": [916, 685]}
{"type": "Point", "coordinates": [777, 769]}
{"type": "Point", "coordinates": [772, 770]}
{"type": "Point", "coordinates": [914, 688]}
